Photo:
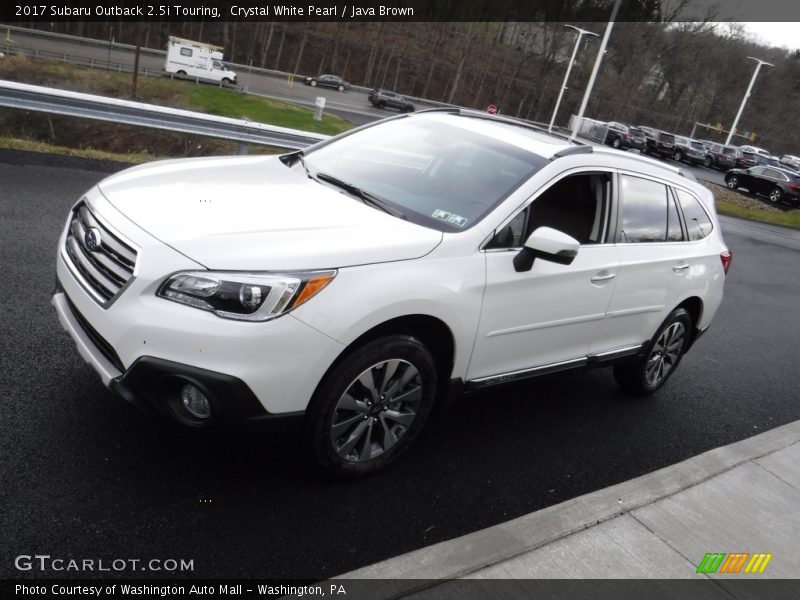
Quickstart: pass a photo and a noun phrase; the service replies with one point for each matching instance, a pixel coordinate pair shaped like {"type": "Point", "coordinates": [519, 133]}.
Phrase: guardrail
{"type": "Point", "coordinates": [127, 68]}
{"type": "Point", "coordinates": [74, 104]}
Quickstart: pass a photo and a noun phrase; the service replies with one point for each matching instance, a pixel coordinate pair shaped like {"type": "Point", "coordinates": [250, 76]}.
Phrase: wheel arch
{"type": "Point", "coordinates": [694, 306]}
{"type": "Point", "coordinates": [434, 333]}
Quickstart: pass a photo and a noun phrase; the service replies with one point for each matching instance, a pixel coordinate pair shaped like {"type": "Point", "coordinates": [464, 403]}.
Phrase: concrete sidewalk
{"type": "Point", "coordinates": [739, 498]}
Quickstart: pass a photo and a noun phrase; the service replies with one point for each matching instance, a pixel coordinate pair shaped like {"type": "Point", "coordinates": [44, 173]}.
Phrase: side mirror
{"type": "Point", "coordinates": [548, 244]}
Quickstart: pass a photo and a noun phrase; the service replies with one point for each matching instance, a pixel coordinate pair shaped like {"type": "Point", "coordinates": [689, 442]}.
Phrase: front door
{"type": "Point", "coordinates": [552, 313]}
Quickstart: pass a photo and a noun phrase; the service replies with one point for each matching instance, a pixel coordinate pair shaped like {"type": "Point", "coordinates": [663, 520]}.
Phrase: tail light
{"type": "Point", "coordinates": [795, 187]}
{"type": "Point", "coordinates": [726, 258]}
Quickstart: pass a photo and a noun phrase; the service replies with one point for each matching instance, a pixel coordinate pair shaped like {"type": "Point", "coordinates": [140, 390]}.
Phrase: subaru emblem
{"type": "Point", "coordinates": [91, 239]}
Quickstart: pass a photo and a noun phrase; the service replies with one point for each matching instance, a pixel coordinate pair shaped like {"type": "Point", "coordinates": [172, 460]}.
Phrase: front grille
{"type": "Point", "coordinates": [105, 263]}
{"type": "Point", "coordinates": [100, 343]}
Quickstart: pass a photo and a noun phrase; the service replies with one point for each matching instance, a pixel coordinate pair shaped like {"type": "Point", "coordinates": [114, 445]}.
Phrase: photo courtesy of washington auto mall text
{"type": "Point", "coordinates": [180, 590]}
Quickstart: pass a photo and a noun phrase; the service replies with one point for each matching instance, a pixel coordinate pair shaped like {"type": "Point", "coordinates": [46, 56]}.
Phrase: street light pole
{"type": "Point", "coordinates": [746, 96]}
{"type": "Point", "coordinates": [581, 33]}
{"type": "Point", "coordinates": [596, 68]}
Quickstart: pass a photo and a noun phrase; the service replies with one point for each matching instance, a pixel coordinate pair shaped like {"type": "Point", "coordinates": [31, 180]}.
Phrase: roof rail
{"type": "Point", "coordinates": [585, 149]}
{"type": "Point", "coordinates": [470, 112]}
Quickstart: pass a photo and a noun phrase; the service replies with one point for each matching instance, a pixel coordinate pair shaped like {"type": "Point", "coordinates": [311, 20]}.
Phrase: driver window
{"type": "Point", "coordinates": [576, 205]}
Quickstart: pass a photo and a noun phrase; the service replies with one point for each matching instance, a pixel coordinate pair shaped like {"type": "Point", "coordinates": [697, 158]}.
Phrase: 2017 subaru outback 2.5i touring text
{"type": "Point", "coordinates": [348, 287]}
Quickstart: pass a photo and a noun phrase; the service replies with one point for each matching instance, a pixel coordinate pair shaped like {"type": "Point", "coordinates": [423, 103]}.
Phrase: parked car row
{"type": "Point", "coordinates": [747, 166]}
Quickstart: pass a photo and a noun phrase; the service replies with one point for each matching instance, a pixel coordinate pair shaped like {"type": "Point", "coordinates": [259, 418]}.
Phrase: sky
{"type": "Point", "coordinates": [776, 34]}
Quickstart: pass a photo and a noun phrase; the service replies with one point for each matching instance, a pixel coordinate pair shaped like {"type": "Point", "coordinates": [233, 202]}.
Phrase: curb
{"type": "Point", "coordinates": [469, 553]}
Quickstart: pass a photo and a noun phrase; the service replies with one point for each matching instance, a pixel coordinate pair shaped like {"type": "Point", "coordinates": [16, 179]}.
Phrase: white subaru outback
{"type": "Point", "coordinates": [347, 289]}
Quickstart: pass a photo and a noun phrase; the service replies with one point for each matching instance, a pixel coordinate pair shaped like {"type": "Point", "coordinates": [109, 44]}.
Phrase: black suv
{"type": "Point", "coordinates": [384, 98]}
{"type": "Point", "coordinates": [776, 184]}
{"type": "Point", "coordinates": [720, 156]}
{"type": "Point", "coordinates": [619, 135]}
{"type": "Point", "coordinates": [658, 142]}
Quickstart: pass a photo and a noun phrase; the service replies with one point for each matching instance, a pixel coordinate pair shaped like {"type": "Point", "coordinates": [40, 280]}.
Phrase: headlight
{"type": "Point", "coordinates": [244, 296]}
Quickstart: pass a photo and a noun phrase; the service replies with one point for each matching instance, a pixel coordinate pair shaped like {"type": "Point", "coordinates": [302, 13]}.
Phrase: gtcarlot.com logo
{"type": "Point", "coordinates": [46, 562]}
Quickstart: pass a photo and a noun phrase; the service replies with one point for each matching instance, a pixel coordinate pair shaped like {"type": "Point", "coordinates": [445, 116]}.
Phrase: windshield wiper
{"type": "Point", "coordinates": [363, 195]}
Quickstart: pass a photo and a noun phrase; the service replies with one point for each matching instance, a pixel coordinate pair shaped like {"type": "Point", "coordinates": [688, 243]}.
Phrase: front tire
{"type": "Point", "coordinates": [708, 162]}
{"type": "Point", "coordinates": [371, 406]}
{"type": "Point", "coordinates": [678, 156]}
{"type": "Point", "coordinates": [663, 354]}
{"type": "Point", "coordinates": [313, 83]}
{"type": "Point", "coordinates": [732, 181]}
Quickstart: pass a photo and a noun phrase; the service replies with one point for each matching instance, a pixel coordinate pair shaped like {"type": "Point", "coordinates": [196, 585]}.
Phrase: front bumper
{"type": "Point", "coordinates": [152, 384]}
{"type": "Point", "coordinates": [280, 361]}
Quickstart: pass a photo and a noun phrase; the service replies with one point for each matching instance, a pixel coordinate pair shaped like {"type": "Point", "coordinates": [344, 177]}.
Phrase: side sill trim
{"type": "Point", "coordinates": [592, 359]}
{"type": "Point", "coordinates": [614, 354]}
{"type": "Point", "coordinates": [525, 373]}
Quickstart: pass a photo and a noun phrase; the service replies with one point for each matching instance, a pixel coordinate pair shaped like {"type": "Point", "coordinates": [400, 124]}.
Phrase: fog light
{"type": "Point", "coordinates": [195, 402]}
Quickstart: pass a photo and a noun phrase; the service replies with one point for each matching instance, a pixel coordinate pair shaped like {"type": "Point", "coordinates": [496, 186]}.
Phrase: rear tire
{"type": "Point", "coordinates": [340, 88]}
{"type": "Point", "coordinates": [616, 143]}
{"type": "Point", "coordinates": [381, 105]}
{"type": "Point", "coordinates": [661, 358]}
{"type": "Point", "coordinates": [678, 156]}
{"type": "Point", "coordinates": [371, 406]}
{"type": "Point", "coordinates": [775, 195]}
{"type": "Point", "coordinates": [313, 83]}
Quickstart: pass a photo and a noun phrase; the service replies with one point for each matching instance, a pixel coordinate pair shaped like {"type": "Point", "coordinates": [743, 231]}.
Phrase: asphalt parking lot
{"type": "Point", "coordinates": [83, 475]}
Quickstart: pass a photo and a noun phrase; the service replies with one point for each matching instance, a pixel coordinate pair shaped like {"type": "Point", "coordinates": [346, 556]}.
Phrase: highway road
{"type": "Point", "coordinates": [84, 475]}
{"type": "Point", "coordinates": [351, 105]}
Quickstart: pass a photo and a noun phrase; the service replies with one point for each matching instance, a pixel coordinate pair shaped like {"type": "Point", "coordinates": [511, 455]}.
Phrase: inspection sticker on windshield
{"type": "Point", "coordinates": [449, 217]}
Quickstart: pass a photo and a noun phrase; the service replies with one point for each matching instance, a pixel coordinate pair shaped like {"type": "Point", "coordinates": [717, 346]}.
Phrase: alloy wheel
{"type": "Point", "coordinates": [376, 410]}
{"type": "Point", "coordinates": [665, 353]}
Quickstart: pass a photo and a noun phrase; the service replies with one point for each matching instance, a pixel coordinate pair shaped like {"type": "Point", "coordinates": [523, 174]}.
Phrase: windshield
{"type": "Point", "coordinates": [437, 174]}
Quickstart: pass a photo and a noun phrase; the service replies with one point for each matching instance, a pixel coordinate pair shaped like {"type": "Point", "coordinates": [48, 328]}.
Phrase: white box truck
{"type": "Point", "coordinates": [197, 60]}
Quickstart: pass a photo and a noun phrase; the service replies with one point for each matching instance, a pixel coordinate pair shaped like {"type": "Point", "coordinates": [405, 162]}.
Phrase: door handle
{"type": "Point", "coordinates": [680, 268]}
{"type": "Point", "coordinates": [602, 278]}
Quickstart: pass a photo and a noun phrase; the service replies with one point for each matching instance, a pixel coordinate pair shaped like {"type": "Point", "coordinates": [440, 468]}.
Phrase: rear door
{"type": "Point", "coordinates": [753, 179]}
{"type": "Point", "coordinates": [774, 178]}
{"type": "Point", "coordinates": [655, 262]}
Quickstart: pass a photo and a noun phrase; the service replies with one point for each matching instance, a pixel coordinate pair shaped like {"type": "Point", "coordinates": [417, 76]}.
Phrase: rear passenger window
{"type": "Point", "coordinates": [644, 210]}
{"type": "Point", "coordinates": [186, 52]}
{"type": "Point", "coordinates": [698, 224]}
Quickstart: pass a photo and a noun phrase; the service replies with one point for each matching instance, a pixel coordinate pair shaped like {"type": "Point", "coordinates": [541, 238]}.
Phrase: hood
{"type": "Point", "coordinates": [255, 213]}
